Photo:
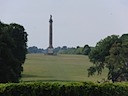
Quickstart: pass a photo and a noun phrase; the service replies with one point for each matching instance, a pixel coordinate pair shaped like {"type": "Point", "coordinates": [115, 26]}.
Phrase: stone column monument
{"type": "Point", "coordinates": [50, 48]}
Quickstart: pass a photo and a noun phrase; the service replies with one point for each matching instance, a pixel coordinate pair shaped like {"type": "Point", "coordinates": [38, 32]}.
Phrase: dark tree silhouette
{"type": "Point", "coordinates": [13, 49]}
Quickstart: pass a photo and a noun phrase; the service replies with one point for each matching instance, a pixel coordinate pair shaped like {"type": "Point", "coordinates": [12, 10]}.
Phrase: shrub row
{"type": "Point", "coordinates": [63, 89]}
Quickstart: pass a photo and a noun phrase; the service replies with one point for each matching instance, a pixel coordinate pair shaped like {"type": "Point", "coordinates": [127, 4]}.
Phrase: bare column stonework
{"type": "Point", "coordinates": [50, 48]}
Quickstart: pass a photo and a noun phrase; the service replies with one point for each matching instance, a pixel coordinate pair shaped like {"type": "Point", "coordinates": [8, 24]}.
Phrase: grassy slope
{"type": "Point", "coordinates": [60, 67]}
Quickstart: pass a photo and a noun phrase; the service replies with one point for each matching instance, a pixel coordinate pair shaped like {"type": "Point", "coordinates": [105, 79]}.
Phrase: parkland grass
{"type": "Point", "coordinates": [39, 67]}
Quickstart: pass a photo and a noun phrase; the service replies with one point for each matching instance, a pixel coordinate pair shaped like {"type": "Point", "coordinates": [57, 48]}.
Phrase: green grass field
{"type": "Point", "coordinates": [39, 67]}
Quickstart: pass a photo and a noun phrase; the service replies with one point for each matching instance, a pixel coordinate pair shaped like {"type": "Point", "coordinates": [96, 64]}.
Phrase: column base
{"type": "Point", "coordinates": [50, 51]}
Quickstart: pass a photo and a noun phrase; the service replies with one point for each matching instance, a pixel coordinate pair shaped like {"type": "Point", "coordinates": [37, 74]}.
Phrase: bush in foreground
{"type": "Point", "coordinates": [63, 89]}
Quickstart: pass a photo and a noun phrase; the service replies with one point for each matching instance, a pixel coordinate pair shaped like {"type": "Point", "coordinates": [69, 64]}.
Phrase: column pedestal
{"type": "Point", "coordinates": [50, 51]}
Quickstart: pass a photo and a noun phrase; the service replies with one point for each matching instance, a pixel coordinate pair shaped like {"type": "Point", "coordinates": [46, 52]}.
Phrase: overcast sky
{"type": "Point", "coordinates": [75, 22]}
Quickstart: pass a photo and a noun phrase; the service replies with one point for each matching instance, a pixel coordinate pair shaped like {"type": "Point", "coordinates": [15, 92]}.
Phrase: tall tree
{"type": "Point", "coordinates": [12, 51]}
{"type": "Point", "coordinates": [98, 54]}
{"type": "Point", "coordinates": [117, 63]}
{"type": "Point", "coordinates": [111, 53]}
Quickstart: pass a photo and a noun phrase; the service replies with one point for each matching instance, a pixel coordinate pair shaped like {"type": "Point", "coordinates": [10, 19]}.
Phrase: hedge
{"type": "Point", "coordinates": [63, 89]}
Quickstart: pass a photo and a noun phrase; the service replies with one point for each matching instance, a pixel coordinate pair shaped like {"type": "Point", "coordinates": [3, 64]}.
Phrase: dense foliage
{"type": "Point", "coordinates": [64, 89]}
{"type": "Point", "coordinates": [111, 53]}
{"type": "Point", "coordinates": [13, 51]}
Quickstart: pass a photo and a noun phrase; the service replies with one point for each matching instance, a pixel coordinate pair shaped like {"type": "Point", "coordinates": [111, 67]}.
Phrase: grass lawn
{"type": "Point", "coordinates": [39, 67]}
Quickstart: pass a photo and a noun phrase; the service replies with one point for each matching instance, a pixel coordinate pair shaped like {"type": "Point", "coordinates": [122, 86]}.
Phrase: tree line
{"type": "Point", "coordinates": [13, 49]}
{"type": "Point", "coordinates": [63, 50]}
{"type": "Point", "coordinates": [78, 50]}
